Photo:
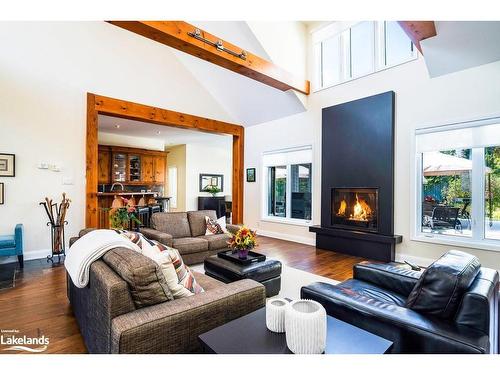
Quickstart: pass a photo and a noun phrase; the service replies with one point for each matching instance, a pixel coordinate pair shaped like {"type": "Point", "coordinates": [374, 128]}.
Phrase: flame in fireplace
{"type": "Point", "coordinates": [361, 210]}
{"type": "Point", "coordinates": [342, 208]}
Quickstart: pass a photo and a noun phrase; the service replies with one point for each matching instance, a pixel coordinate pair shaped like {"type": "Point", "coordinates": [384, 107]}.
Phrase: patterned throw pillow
{"type": "Point", "coordinates": [179, 277]}
{"type": "Point", "coordinates": [215, 227]}
{"type": "Point", "coordinates": [135, 237]}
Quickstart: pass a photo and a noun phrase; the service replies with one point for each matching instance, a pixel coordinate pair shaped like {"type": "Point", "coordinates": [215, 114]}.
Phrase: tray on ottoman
{"type": "Point", "coordinates": [233, 257]}
{"type": "Point", "coordinates": [267, 272]}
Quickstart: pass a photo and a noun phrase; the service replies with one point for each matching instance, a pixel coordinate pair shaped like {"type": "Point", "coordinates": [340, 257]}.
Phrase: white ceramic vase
{"type": "Point", "coordinates": [305, 326]}
{"type": "Point", "coordinates": [275, 314]}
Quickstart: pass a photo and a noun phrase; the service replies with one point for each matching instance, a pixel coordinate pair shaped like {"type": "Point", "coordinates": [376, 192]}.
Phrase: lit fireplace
{"type": "Point", "coordinates": [355, 208]}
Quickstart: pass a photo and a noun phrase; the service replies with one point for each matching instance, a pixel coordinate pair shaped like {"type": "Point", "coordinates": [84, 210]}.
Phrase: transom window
{"type": "Point", "coordinates": [458, 174]}
{"type": "Point", "coordinates": [364, 48]}
{"type": "Point", "coordinates": [287, 185]}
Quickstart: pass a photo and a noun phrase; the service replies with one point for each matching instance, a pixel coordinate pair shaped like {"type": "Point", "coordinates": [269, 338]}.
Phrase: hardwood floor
{"type": "Point", "coordinates": [37, 305]}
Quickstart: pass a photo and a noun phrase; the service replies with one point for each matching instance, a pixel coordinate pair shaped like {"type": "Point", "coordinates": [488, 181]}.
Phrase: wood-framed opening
{"type": "Point", "coordinates": [102, 105]}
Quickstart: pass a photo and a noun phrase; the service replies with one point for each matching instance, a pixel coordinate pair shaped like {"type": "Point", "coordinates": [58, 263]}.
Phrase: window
{"type": "Point", "coordinates": [362, 43]}
{"type": "Point", "coordinates": [458, 178]}
{"type": "Point", "coordinates": [288, 184]}
{"type": "Point", "coordinates": [398, 47]}
{"type": "Point", "coordinates": [364, 48]}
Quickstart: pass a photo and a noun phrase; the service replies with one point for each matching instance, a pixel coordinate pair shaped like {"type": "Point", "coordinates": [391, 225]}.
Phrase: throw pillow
{"type": "Point", "coordinates": [179, 277]}
{"type": "Point", "coordinates": [215, 227]}
{"type": "Point", "coordinates": [143, 276]}
{"type": "Point", "coordinates": [135, 237]}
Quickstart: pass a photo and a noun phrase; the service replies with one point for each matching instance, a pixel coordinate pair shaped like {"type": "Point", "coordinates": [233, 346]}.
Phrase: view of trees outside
{"type": "Point", "coordinates": [492, 192]}
{"type": "Point", "coordinates": [447, 194]}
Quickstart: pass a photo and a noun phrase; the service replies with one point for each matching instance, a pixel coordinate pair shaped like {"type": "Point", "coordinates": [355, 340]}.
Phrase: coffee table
{"type": "Point", "coordinates": [249, 335]}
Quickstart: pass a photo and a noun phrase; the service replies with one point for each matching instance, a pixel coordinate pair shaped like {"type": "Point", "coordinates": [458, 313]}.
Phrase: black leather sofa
{"type": "Point", "coordinates": [451, 307]}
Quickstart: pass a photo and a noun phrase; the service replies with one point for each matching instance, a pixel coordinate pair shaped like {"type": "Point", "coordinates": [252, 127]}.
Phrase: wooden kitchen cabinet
{"type": "Point", "coordinates": [104, 167]}
{"type": "Point", "coordinates": [131, 166]}
{"type": "Point", "coordinates": [160, 163]}
{"type": "Point", "coordinates": [147, 168]}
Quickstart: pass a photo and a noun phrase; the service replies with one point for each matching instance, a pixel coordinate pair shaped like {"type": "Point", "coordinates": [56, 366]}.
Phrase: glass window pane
{"type": "Point", "coordinates": [492, 193]}
{"type": "Point", "coordinates": [398, 47]}
{"type": "Point", "coordinates": [300, 180]}
{"type": "Point", "coordinates": [362, 49]}
{"type": "Point", "coordinates": [330, 61]}
{"type": "Point", "coordinates": [446, 192]}
{"type": "Point", "coordinates": [277, 191]}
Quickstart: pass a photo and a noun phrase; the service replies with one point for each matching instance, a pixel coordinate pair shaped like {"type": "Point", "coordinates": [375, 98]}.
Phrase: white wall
{"type": "Point", "coordinates": [46, 69]}
{"type": "Point", "coordinates": [111, 139]}
{"type": "Point", "coordinates": [420, 101]}
{"type": "Point", "coordinates": [216, 158]}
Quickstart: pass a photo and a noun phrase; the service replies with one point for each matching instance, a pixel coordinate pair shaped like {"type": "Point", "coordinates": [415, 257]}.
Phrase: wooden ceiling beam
{"type": "Point", "coordinates": [418, 31]}
{"type": "Point", "coordinates": [175, 34]}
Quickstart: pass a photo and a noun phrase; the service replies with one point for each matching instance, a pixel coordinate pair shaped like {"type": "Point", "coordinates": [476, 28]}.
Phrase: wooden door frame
{"type": "Point", "coordinates": [102, 105]}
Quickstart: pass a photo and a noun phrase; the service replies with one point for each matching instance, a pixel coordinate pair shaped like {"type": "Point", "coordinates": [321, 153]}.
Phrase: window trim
{"type": "Point", "coordinates": [478, 239]}
{"type": "Point", "coordinates": [264, 216]}
{"type": "Point", "coordinates": [379, 50]}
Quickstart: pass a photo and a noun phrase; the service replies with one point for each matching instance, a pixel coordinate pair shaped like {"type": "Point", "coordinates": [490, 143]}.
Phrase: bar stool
{"type": "Point", "coordinates": [143, 216]}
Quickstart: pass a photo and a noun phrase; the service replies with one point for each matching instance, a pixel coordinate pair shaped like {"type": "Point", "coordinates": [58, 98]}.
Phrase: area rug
{"type": "Point", "coordinates": [292, 279]}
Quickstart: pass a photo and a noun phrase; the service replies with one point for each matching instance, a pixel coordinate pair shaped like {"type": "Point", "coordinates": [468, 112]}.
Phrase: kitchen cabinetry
{"type": "Point", "coordinates": [103, 165]}
{"type": "Point", "coordinates": [160, 165]}
{"type": "Point", "coordinates": [148, 169]}
{"type": "Point", "coordinates": [131, 166]}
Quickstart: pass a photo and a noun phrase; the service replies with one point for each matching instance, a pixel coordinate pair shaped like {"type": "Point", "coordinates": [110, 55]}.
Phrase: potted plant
{"type": "Point", "coordinates": [213, 189]}
{"type": "Point", "coordinates": [243, 241]}
{"type": "Point", "coordinates": [120, 217]}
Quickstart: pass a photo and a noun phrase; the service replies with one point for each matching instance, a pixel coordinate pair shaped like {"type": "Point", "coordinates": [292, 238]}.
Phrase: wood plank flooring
{"type": "Point", "coordinates": [37, 304]}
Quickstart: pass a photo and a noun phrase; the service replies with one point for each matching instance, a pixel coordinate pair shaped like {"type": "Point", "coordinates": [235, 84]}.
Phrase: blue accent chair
{"type": "Point", "coordinates": [12, 245]}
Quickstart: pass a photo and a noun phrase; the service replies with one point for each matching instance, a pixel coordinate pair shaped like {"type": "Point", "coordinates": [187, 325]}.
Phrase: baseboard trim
{"type": "Point", "coordinates": [30, 255]}
{"type": "Point", "coordinates": [287, 237]}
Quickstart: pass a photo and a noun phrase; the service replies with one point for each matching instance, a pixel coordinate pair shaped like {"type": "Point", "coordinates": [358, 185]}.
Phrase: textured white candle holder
{"type": "Point", "coordinates": [275, 314]}
{"type": "Point", "coordinates": [305, 326]}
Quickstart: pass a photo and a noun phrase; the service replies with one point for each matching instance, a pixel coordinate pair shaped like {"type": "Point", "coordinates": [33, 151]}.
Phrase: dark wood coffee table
{"type": "Point", "coordinates": [249, 335]}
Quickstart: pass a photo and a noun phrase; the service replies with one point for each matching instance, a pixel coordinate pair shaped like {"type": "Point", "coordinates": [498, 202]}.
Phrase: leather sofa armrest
{"type": "Point", "coordinates": [396, 277]}
{"type": "Point", "coordinates": [156, 235]}
{"type": "Point", "coordinates": [233, 228]}
{"type": "Point", "coordinates": [149, 330]}
{"type": "Point", "coordinates": [410, 331]}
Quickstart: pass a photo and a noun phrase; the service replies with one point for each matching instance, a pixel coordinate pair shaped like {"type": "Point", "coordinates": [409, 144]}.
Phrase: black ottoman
{"type": "Point", "coordinates": [267, 272]}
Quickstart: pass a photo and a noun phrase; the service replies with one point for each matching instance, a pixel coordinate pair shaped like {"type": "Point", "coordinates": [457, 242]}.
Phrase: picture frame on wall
{"type": "Point", "coordinates": [207, 180]}
{"type": "Point", "coordinates": [2, 197]}
{"type": "Point", "coordinates": [7, 165]}
{"type": "Point", "coordinates": [250, 174]}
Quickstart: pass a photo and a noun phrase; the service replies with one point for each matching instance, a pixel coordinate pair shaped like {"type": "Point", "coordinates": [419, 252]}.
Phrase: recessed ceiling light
{"type": "Point", "coordinates": [117, 126]}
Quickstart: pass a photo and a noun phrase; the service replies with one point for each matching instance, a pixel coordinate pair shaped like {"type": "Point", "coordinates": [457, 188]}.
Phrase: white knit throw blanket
{"type": "Point", "coordinates": [88, 249]}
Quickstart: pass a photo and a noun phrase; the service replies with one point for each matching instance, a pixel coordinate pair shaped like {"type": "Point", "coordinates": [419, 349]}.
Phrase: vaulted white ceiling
{"type": "Point", "coordinates": [460, 45]}
{"type": "Point", "coordinates": [247, 101]}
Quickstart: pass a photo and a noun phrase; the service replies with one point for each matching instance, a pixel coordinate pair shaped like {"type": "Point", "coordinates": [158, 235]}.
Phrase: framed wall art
{"type": "Point", "coordinates": [7, 165]}
{"type": "Point", "coordinates": [250, 174]}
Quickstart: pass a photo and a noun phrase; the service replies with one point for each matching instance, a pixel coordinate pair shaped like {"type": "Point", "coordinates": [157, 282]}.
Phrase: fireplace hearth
{"type": "Point", "coordinates": [355, 208]}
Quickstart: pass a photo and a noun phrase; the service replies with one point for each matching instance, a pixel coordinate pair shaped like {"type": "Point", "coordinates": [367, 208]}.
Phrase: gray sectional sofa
{"type": "Point", "coordinates": [124, 310]}
{"type": "Point", "coordinates": [185, 231]}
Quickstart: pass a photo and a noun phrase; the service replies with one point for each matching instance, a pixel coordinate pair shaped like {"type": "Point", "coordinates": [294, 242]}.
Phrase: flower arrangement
{"type": "Point", "coordinates": [243, 241]}
{"type": "Point", "coordinates": [120, 217]}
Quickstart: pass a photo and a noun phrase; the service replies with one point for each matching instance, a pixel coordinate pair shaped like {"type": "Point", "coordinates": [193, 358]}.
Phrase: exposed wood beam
{"type": "Point", "coordinates": [175, 34]}
{"type": "Point", "coordinates": [98, 104]}
{"type": "Point", "coordinates": [418, 31]}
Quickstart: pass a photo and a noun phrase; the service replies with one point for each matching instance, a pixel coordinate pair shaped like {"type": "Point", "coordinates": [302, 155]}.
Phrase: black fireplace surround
{"type": "Point", "coordinates": [357, 179]}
